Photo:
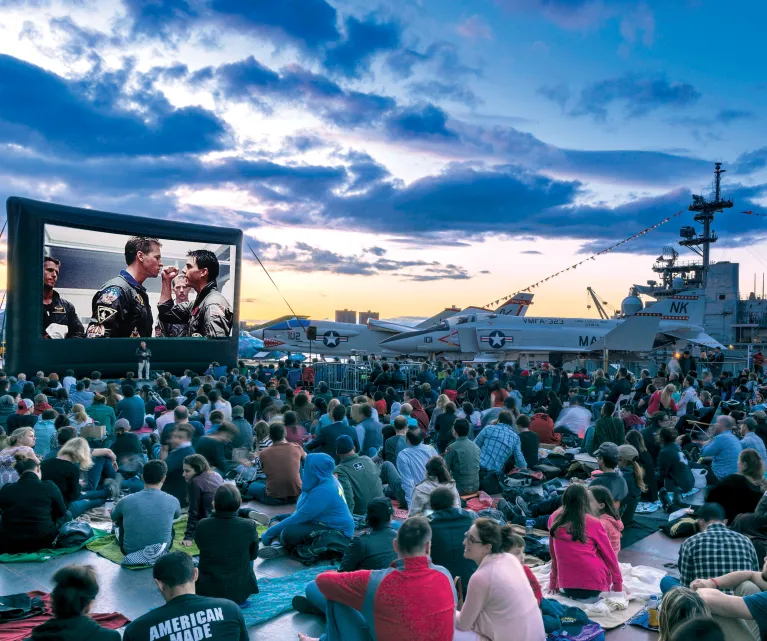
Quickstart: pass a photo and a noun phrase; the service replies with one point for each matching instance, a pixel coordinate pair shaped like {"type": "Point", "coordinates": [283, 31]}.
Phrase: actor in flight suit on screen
{"type": "Point", "coordinates": [181, 291]}
{"type": "Point", "coordinates": [210, 315]}
{"type": "Point", "coordinates": [120, 309]}
{"type": "Point", "coordinates": [59, 316]}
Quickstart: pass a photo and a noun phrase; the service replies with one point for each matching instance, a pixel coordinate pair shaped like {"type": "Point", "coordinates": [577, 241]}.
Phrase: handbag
{"type": "Point", "coordinates": [94, 431]}
{"type": "Point", "coordinates": [73, 534]}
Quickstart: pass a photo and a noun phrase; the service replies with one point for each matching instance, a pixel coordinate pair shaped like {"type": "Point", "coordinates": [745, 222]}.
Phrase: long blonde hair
{"type": "Point", "coordinates": [679, 605]}
{"type": "Point", "coordinates": [77, 451]}
{"type": "Point", "coordinates": [442, 400]}
{"type": "Point", "coordinates": [665, 395]}
{"type": "Point", "coordinates": [78, 413]}
{"type": "Point", "coordinates": [18, 434]}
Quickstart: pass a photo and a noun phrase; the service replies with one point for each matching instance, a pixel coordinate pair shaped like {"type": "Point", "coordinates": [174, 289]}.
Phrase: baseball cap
{"type": "Point", "coordinates": [759, 415]}
{"type": "Point", "coordinates": [608, 449]}
{"type": "Point", "coordinates": [573, 619]}
{"type": "Point", "coordinates": [238, 410]}
{"type": "Point", "coordinates": [29, 403]}
{"type": "Point", "coordinates": [122, 423]}
{"type": "Point", "coordinates": [751, 422]}
{"type": "Point", "coordinates": [628, 452]}
{"type": "Point", "coordinates": [344, 444]}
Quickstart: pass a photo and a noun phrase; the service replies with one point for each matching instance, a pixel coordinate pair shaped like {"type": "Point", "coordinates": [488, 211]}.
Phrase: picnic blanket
{"type": "Point", "coordinates": [482, 502]}
{"type": "Point", "coordinates": [21, 629]}
{"type": "Point", "coordinates": [108, 547]}
{"type": "Point", "coordinates": [275, 594]}
{"type": "Point", "coordinates": [613, 609]}
{"type": "Point", "coordinates": [45, 555]}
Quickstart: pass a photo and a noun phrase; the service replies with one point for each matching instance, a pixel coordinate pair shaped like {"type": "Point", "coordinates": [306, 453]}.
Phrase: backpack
{"type": "Point", "coordinates": [322, 545]}
{"type": "Point", "coordinates": [73, 534]}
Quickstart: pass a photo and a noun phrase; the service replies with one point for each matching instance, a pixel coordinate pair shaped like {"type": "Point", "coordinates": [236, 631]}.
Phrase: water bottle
{"type": "Point", "coordinates": [652, 612]}
{"type": "Point", "coordinates": [529, 525]}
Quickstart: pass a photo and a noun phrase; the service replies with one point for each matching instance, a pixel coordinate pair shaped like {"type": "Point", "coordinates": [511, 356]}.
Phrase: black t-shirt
{"type": "Point", "coordinates": [529, 445]}
{"type": "Point", "coordinates": [65, 475]}
{"type": "Point", "coordinates": [190, 617]}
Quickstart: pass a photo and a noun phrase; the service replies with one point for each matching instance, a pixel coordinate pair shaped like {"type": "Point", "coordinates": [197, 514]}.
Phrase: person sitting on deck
{"type": "Point", "coordinates": [583, 562]}
{"type": "Point", "coordinates": [226, 571]}
{"type": "Point", "coordinates": [146, 517]}
{"type": "Point", "coordinates": [175, 576]}
{"type": "Point", "coordinates": [370, 549]}
{"type": "Point", "coordinates": [31, 509]}
{"type": "Point", "coordinates": [499, 597]}
{"type": "Point", "coordinates": [75, 589]}
{"type": "Point", "coordinates": [399, 610]}
{"type": "Point", "coordinates": [321, 506]}
{"type": "Point", "coordinates": [713, 552]}
{"type": "Point", "coordinates": [462, 459]}
{"type": "Point", "coordinates": [202, 483]}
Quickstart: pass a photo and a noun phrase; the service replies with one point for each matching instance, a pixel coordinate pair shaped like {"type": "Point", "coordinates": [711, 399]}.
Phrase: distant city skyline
{"type": "Point", "coordinates": [400, 156]}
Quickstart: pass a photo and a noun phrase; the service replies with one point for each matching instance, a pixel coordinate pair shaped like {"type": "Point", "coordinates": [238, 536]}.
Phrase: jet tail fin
{"type": "Point", "coordinates": [687, 308]}
{"type": "Point", "coordinates": [516, 306]}
{"type": "Point", "coordinates": [437, 318]}
{"type": "Point", "coordinates": [635, 334]}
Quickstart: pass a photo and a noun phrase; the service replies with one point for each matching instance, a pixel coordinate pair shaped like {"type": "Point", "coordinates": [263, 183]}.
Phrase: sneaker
{"type": "Point", "coordinates": [304, 606]}
{"type": "Point", "coordinates": [113, 487]}
{"type": "Point", "coordinates": [272, 551]}
{"type": "Point", "coordinates": [522, 505]}
{"type": "Point", "coordinates": [259, 517]}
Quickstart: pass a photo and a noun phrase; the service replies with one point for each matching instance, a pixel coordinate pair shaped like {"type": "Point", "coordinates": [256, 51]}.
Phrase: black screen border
{"type": "Point", "coordinates": [27, 351]}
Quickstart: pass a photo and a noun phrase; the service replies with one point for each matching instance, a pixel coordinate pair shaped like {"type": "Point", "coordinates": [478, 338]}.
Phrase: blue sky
{"type": "Point", "coordinates": [396, 156]}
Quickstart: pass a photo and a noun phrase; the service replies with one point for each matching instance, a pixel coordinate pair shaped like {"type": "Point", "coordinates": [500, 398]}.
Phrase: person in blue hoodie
{"type": "Point", "coordinates": [321, 506]}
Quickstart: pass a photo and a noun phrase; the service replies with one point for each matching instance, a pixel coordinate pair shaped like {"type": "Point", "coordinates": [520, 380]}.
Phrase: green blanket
{"type": "Point", "coordinates": [109, 548]}
{"type": "Point", "coordinates": [44, 555]}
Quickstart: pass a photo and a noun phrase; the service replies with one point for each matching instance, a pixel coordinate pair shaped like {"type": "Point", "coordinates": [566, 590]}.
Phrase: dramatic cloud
{"type": "Point", "coordinates": [441, 57]}
{"type": "Point", "coordinates": [41, 109]}
{"type": "Point", "coordinates": [640, 94]}
{"type": "Point", "coordinates": [249, 80]}
{"type": "Point", "coordinates": [420, 122]}
{"type": "Point", "coordinates": [307, 258]}
{"type": "Point", "coordinates": [364, 39]}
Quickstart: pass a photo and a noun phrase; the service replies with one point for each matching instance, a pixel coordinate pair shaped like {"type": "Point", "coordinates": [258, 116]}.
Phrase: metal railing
{"type": "Point", "coordinates": [352, 378]}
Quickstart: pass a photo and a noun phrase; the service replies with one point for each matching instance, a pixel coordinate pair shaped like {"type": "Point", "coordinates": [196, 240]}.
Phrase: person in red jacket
{"type": "Point", "coordinates": [390, 602]}
{"type": "Point", "coordinates": [543, 426]}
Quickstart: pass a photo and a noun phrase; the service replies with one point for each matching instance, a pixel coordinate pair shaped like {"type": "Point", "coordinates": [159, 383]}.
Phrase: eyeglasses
{"type": "Point", "coordinates": [470, 539]}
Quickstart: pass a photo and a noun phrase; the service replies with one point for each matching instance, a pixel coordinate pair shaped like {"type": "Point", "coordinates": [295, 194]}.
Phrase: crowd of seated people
{"type": "Point", "coordinates": [77, 445]}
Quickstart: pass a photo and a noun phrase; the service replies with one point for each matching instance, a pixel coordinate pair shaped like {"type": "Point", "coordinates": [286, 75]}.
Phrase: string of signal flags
{"type": "Point", "coordinates": [592, 257]}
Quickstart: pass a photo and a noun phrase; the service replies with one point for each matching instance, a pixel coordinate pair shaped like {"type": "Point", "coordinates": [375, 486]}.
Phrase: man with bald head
{"type": "Point", "coordinates": [723, 450]}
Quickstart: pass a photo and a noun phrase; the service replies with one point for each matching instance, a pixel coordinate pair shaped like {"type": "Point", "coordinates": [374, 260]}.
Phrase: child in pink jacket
{"type": "Point", "coordinates": [603, 507]}
{"type": "Point", "coordinates": [583, 563]}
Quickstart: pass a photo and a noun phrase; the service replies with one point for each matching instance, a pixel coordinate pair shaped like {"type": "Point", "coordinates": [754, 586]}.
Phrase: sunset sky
{"type": "Point", "coordinates": [399, 156]}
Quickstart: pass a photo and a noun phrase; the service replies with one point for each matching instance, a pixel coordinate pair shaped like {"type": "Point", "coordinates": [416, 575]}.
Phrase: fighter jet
{"type": "Point", "coordinates": [496, 337]}
{"type": "Point", "coordinates": [291, 334]}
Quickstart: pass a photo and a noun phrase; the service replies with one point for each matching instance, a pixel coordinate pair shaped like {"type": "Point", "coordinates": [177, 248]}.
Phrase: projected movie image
{"type": "Point", "coordinates": [104, 285]}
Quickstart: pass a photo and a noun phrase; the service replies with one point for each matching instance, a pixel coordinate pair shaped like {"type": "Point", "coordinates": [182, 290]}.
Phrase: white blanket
{"type": "Point", "coordinates": [612, 609]}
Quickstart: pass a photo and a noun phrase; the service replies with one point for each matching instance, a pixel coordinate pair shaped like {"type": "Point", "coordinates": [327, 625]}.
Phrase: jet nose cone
{"type": "Point", "coordinates": [258, 333]}
{"type": "Point", "coordinates": [398, 344]}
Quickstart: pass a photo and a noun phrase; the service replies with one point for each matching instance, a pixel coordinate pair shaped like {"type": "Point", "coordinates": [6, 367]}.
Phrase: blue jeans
{"type": "Point", "coordinates": [345, 624]}
{"type": "Point", "coordinates": [390, 477]}
{"type": "Point", "coordinates": [257, 492]}
{"type": "Point", "coordinates": [102, 469]}
{"type": "Point", "coordinates": [315, 597]}
{"type": "Point", "coordinates": [87, 501]}
{"type": "Point", "coordinates": [668, 583]}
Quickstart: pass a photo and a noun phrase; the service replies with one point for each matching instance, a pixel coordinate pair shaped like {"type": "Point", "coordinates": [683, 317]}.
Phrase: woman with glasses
{"type": "Point", "coordinates": [499, 597]}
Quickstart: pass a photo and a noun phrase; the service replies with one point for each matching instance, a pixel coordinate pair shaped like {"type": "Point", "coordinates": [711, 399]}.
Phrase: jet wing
{"type": "Point", "coordinates": [694, 335]}
{"type": "Point", "coordinates": [635, 334]}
